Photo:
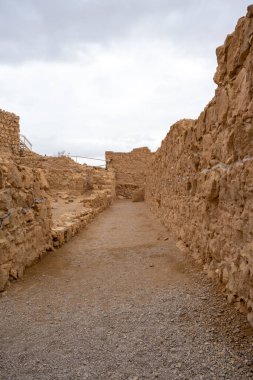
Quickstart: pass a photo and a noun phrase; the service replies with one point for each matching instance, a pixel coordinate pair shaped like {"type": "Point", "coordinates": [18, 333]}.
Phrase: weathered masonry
{"type": "Point", "coordinates": [25, 215]}
{"type": "Point", "coordinates": [200, 182]}
{"type": "Point", "coordinates": [130, 170]}
{"type": "Point", "coordinates": [9, 133]}
{"type": "Point", "coordinates": [29, 185]}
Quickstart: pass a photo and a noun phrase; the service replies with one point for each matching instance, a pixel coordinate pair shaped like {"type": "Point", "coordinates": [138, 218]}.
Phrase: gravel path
{"type": "Point", "coordinates": [120, 301]}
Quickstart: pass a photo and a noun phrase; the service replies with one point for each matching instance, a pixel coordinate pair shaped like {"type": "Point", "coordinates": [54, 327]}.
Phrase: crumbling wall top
{"type": "Point", "coordinates": [9, 133]}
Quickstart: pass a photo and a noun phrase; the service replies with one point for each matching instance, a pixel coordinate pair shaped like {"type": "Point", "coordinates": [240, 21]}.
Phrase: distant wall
{"type": "Point", "coordinates": [62, 173]}
{"type": "Point", "coordinates": [9, 133]}
{"type": "Point", "coordinates": [130, 169]}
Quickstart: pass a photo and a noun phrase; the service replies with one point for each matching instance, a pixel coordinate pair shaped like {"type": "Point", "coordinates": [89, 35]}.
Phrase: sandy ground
{"type": "Point", "coordinates": [64, 206]}
{"type": "Point", "coordinates": [120, 301]}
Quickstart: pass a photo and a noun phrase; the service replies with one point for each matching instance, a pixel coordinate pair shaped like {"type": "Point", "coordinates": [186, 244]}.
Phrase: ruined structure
{"type": "Point", "coordinates": [201, 180]}
{"type": "Point", "coordinates": [25, 219]}
{"type": "Point", "coordinates": [9, 133]}
{"type": "Point", "coordinates": [25, 215]}
{"type": "Point", "coordinates": [130, 170]}
{"type": "Point", "coordinates": [44, 201]}
{"type": "Point", "coordinates": [62, 173]}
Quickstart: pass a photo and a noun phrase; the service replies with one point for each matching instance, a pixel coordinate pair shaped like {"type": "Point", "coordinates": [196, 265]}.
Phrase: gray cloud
{"type": "Point", "coordinates": [87, 76]}
{"type": "Point", "coordinates": [58, 29]}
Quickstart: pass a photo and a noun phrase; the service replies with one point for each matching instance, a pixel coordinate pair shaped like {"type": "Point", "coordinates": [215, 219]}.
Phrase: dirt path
{"type": "Point", "coordinates": [120, 302]}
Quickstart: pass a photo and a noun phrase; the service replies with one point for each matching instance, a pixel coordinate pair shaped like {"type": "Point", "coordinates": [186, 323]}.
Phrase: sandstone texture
{"type": "Point", "coordinates": [25, 219]}
{"type": "Point", "coordinates": [44, 201]}
{"type": "Point", "coordinates": [78, 193]}
{"type": "Point", "coordinates": [9, 133]}
{"type": "Point", "coordinates": [62, 173]}
{"type": "Point", "coordinates": [73, 213]}
{"type": "Point", "coordinates": [200, 182]}
{"type": "Point", "coordinates": [130, 170]}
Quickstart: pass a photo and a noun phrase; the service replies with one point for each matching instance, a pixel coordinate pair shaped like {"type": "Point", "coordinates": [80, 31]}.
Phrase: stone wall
{"type": "Point", "coordinates": [62, 173]}
{"type": "Point", "coordinates": [67, 224]}
{"type": "Point", "coordinates": [25, 219]}
{"type": "Point", "coordinates": [201, 180]}
{"type": "Point", "coordinates": [35, 217]}
{"type": "Point", "coordinates": [130, 170]}
{"type": "Point", "coordinates": [9, 133]}
{"type": "Point", "coordinates": [44, 201]}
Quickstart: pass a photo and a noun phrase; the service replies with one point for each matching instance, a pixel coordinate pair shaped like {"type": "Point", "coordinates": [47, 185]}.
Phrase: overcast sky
{"type": "Point", "coordinates": [87, 76]}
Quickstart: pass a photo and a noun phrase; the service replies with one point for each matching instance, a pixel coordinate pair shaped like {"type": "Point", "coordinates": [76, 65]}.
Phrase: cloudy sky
{"type": "Point", "coordinates": [87, 76]}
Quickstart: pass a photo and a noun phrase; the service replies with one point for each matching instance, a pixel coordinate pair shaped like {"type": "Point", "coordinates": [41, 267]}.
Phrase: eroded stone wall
{"type": "Point", "coordinates": [44, 201]}
{"type": "Point", "coordinates": [25, 219]}
{"type": "Point", "coordinates": [9, 133]}
{"type": "Point", "coordinates": [130, 170]}
{"type": "Point", "coordinates": [62, 173]}
{"type": "Point", "coordinates": [83, 208]}
{"type": "Point", "coordinates": [201, 180]}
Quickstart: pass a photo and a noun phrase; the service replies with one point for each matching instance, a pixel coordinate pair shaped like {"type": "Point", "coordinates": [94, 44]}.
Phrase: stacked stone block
{"type": "Point", "coordinates": [94, 202]}
{"type": "Point", "coordinates": [201, 180]}
{"type": "Point", "coordinates": [9, 133]}
{"type": "Point", "coordinates": [25, 219]}
{"type": "Point", "coordinates": [130, 170]}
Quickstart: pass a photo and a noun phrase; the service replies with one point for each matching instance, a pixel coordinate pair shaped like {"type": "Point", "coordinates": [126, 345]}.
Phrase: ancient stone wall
{"type": "Point", "coordinates": [62, 173]}
{"type": "Point", "coordinates": [25, 219]}
{"type": "Point", "coordinates": [9, 133]}
{"type": "Point", "coordinates": [201, 180]}
{"type": "Point", "coordinates": [68, 222]}
{"type": "Point", "coordinates": [130, 170]}
{"type": "Point", "coordinates": [44, 201]}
